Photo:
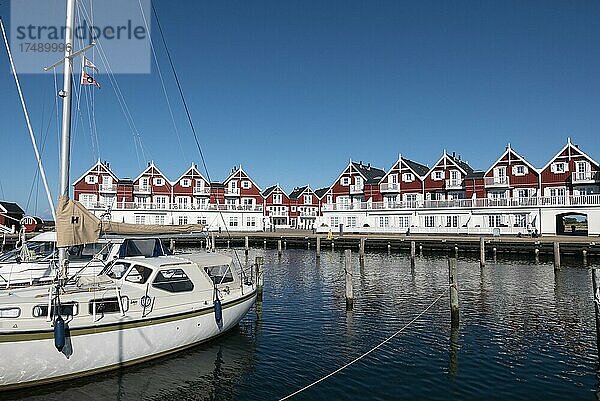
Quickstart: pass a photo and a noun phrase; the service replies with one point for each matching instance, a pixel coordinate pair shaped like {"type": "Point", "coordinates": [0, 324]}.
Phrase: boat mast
{"type": "Point", "coordinates": [65, 143]}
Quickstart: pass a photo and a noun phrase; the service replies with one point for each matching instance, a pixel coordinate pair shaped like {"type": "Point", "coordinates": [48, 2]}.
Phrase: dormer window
{"type": "Point", "coordinates": [158, 181]}
{"type": "Point", "coordinates": [408, 177]}
{"type": "Point", "coordinates": [91, 179]}
{"type": "Point", "coordinates": [186, 182]}
{"type": "Point", "coordinates": [345, 181]}
{"type": "Point", "coordinates": [246, 184]}
{"type": "Point", "coordinates": [437, 175]}
{"type": "Point", "coordinates": [559, 167]}
{"type": "Point", "coordinates": [277, 198]}
{"type": "Point", "coordinates": [307, 199]}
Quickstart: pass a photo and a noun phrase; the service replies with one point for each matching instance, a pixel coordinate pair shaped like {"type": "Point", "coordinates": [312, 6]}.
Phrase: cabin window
{"type": "Point", "coordinates": [66, 310]}
{"type": "Point", "coordinates": [173, 280]}
{"type": "Point", "coordinates": [91, 179]}
{"type": "Point", "coordinates": [116, 270]}
{"type": "Point", "coordinates": [158, 181]}
{"type": "Point", "coordinates": [219, 274]}
{"type": "Point", "coordinates": [10, 313]}
{"type": "Point", "coordinates": [186, 182]}
{"type": "Point", "coordinates": [408, 177]}
{"type": "Point", "coordinates": [139, 274]}
{"type": "Point", "coordinates": [438, 175]}
{"type": "Point", "coordinates": [107, 305]}
{"type": "Point", "coordinates": [246, 184]}
{"type": "Point", "coordinates": [345, 181]}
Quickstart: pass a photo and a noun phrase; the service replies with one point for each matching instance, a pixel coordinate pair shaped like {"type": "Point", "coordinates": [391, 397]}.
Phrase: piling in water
{"type": "Point", "coordinates": [172, 245]}
{"type": "Point", "coordinates": [420, 250]}
{"type": "Point", "coordinates": [453, 281]}
{"type": "Point", "coordinates": [318, 247]}
{"type": "Point", "coordinates": [596, 297]}
{"type": "Point", "coordinates": [348, 273]}
{"type": "Point", "coordinates": [227, 244]}
{"type": "Point", "coordinates": [556, 255]}
{"type": "Point", "coordinates": [265, 244]}
{"type": "Point", "coordinates": [279, 247]}
{"type": "Point", "coordinates": [246, 247]}
{"type": "Point", "coordinates": [584, 257]}
{"type": "Point", "coordinates": [361, 248]}
{"type": "Point", "coordinates": [212, 241]}
{"type": "Point", "coordinates": [481, 251]}
{"type": "Point", "coordinates": [537, 255]}
{"type": "Point", "coordinates": [413, 251]}
{"type": "Point", "coordinates": [258, 265]}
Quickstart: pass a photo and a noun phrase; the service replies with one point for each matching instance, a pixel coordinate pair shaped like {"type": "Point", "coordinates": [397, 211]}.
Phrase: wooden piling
{"type": "Point", "coordinates": [537, 255]}
{"type": "Point", "coordinates": [213, 246]}
{"type": "Point", "coordinates": [584, 253]}
{"type": "Point", "coordinates": [258, 265]}
{"type": "Point", "coordinates": [265, 244]}
{"type": "Point", "coordinates": [332, 246]}
{"type": "Point", "coordinates": [481, 252]}
{"type": "Point", "coordinates": [246, 245]}
{"type": "Point", "coordinates": [456, 252]}
{"type": "Point", "coordinates": [495, 253]}
{"type": "Point", "coordinates": [420, 250]}
{"type": "Point", "coordinates": [389, 248]}
{"type": "Point", "coordinates": [556, 255]}
{"type": "Point", "coordinates": [413, 250]}
{"type": "Point", "coordinates": [228, 244]}
{"type": "Point", "coordinates": [596, 298]}
{"type": "Point", "coordinates": [172, 245]}
{"type": "Point", "coordinates": [279, 247]}
{"type": "Point", "coordinates": [361, 248]}
{"type": "Point", "coordinates": [348, 273]}
{"type": "Point", "coordinates": [453, 281]}
{"type": "Point", "coordinates": [318, 247]}
{"type": "Point", "coordinates": [285, 245]}
{"type": "Point", "coordinates": [308, 245]}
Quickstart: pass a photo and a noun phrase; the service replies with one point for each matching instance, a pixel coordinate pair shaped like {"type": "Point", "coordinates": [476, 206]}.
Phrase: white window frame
{"type": "Point", "coordinates": [517, 173]}
{"type": "Point", "coordinates": [246, 184]}
{"type": "Point", "coordinates": [556, 170]}
{"type": "Point", "coordinates": [408, 177]}
{"type": "Point", "coordinates": [185, 182]}
{"type": "Point", "coordinates": [91, 179]}
{"type": "Point", "coordinates": [277, 199]}
{"type": "Point", "coordinates": [437, 175]}
{"type": "Point", "coordinates": [345, 181]}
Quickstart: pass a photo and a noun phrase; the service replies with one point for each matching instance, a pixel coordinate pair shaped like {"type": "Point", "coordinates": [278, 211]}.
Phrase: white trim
{"type": "Point", "coordinates": [509, 149]}
{"type": "Point", "coordinates": [569, 144]}
{"type": "Point", "coordinates": [91, 170]}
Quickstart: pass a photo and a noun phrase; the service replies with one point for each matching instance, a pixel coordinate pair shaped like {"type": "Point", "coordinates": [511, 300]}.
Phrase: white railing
{"type": "Point", "coordinates": [502, 181]}
{"type": "Point", "coordinates": [201, 191]}
{"type": "Point", "coordinates": [356, 188]}
{"type": "Point", "coordinates": [389, 187]}
{"type": "Point", "coordinates": [232, 192]}
{"type": "Point", "coordinates": [143, 189]}
{"type": "Point", "coordinates": [108, 187]}
{"type": "Point", "coordinates": [454, 183]}
{"type": "Point", "coordinates": [178, 206]}
{"type": "Point", "coordinates": [584, 177]}
{"type": "Point", "coordinates": [278, 213]}
{"type": "Point", "coordinates": [311, 213]}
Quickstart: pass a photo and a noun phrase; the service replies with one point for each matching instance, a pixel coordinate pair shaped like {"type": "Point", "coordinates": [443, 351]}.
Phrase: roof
{"type": "Point", "coordinates": [217, 184]}
{"type": "Point", "coordinates": [11, 207]}
{"type": "Point", "coordinates": [295, 194]}
{"type": "Point", "coordinates": [268, 191]}
{"type": "Point", "coordinates": [462, 164]}
{"type": "Point", "coordinates": [418, 168]}
{"type": "Point", "coordinates": [372, 174]}
{"type": "Point", "coordinates": [474, 175]}
{"type": "Point", "coordinates": [321, 192]}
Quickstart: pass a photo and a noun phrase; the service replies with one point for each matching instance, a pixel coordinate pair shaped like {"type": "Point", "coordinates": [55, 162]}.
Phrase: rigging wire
{"type": "Point", "coordinates": [189, 118]}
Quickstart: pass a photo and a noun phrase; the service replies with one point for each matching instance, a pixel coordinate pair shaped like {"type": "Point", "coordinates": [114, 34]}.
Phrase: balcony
{"type": "Point", "coordinates": [108, 188]}
{"type": "Point", "coordinates": [390, 187]}
{"type": "Point", "coordinates": [497, 182]}
{"type": "Point", "coordinates": [201, 191]}
{"type": "Point", "coordinates": [278, 213]}
{"type": "Point", "coordinates": [454, 184]}
{"type": "Point", "coordinates": [232, 192]}
{"type": "Point", "coordinates": [585, 177]}
{"type": "Point", "coordinates": [356, 189]}
{"type": "Point", "coordinates": [142, 189]}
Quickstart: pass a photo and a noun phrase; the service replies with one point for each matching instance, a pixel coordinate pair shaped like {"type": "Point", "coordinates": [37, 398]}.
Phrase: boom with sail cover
{"type": "Point", "coordinates": [75, 225]}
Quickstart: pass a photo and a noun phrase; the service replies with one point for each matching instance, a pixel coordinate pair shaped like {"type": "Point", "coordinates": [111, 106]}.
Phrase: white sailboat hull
{"type": "Point", "coordinates": [95, 349]}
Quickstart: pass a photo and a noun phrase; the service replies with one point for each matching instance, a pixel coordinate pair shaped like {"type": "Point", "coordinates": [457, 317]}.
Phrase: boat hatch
{"type": "Point", "coordinates": [148, 247]}
{"type": "Point", "coordinates": [108, 305]}
{"type": "Point", "coordinates": [219, 274]}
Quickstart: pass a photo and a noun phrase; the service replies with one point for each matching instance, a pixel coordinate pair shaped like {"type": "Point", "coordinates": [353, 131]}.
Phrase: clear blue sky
{"type": "Point", "coordinates": [293, 89]}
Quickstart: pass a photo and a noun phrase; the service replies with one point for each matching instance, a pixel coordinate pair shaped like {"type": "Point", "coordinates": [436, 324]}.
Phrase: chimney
{"type": "Point", "coordinates": [149, 164]}
{"type": "Point", "coordinates": [453, 155]}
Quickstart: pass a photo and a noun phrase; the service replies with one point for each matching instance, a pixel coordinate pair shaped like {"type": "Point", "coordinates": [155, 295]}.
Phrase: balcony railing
{"type": "Point", "coordinates": [177, 206]}
{"type": "Point", "coordinates": [585, 177]}
{"type": "Point", "coordinates": [278, 213]}
{"type": "Point", "coordinates": [454, 184]}
{"type": "Point", "coordinates": [108, 187]}
{"type": "Point", "coordinates": [389, 187]}
{"type": "Point", "coordinates": [201, 191]}
{"type": "Point", "coordinates": [232, 192]}
{"type": "Point", "coordinates": [356, 188]}
{"type": "Point", "coordinates": [142, 189]}
{"type": "Point", "coordinates": [498, 182]}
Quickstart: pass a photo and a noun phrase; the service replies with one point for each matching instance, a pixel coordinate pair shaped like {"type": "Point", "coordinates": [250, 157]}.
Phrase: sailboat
{"type": "Point", "coordinates": [144, 304]}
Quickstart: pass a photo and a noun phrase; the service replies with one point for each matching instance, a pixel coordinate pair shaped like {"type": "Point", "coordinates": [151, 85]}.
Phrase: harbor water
{"type": "Point", "coordinates": [525, 333]}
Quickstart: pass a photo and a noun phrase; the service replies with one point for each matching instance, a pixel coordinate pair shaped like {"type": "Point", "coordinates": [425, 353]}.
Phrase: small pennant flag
{"type": "Point", "coordinates": [87, 79]}
{"type": "Point", "coordinates": [87, 63]}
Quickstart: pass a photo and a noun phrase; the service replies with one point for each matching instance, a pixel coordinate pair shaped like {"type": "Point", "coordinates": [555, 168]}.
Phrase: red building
{"type": "Point", "coordinates": [304, 207]}
{"type": "Point", "coordinates": [511, 176]}
{"type": "Point", "coordinates": [570, 173]}
{"type": "Point", "coordinates": [446, 179]}
{"type": "Point", "coordinates": [277, 206]}
{"type": "Point", "coordinates": [356, 184]}
{"type": "Point", "coordinates": [239, 191]}
{"type": "Point", "coordinates": [191, 190]}
{"type": "Point", "coordinates": [152, 189]}
{"type": "Point", "coordinates": [403, 182]}
{"type": "Point", "coordinates": [97, 186]}
{"type": "Point", "coordinates": [10, 215]}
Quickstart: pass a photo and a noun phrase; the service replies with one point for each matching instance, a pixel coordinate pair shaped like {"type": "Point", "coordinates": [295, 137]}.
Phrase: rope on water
{"type": "Point", "coordinates": [369, 351]}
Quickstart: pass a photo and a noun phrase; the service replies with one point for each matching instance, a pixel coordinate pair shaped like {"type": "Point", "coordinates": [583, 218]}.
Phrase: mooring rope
{"type": "Point", "coordinates": [369, 351]}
